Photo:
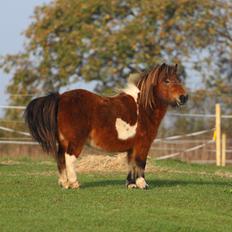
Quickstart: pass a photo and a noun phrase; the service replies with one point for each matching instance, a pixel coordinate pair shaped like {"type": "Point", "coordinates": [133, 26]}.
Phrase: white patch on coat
{"type": "Point", "coordinates": [71, 172]}
{"type": "Point", "coordinates": [141, 183]}
{"type": "Point", "coordinates": [132, 90]}
{"type": "Point", "coordinates": [124, 129]}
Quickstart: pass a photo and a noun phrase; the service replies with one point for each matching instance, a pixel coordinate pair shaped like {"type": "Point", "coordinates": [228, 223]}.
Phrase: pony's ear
{"type": "Point", "coordinates": [163, 65]}
{"type": "Point", "coordinates": [176, 67]}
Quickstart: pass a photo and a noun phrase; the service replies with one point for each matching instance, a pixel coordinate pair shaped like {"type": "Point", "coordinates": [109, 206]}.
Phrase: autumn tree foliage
{"type": "Point", "coordinates": [101, 40]}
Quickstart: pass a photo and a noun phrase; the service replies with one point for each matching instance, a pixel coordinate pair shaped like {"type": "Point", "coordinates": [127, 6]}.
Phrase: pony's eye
{"type": "Point", "coordinates": [167, 81]}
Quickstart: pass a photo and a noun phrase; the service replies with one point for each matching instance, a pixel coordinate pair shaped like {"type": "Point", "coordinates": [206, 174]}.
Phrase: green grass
{"type": "Point", "coordinates": [182, 197]}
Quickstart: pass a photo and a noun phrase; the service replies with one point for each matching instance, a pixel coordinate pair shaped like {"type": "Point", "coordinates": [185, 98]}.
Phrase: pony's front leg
{"type": "Point", "coordinates": [71, 171]}
{"type": "Point", "coordinates": [136, 176]}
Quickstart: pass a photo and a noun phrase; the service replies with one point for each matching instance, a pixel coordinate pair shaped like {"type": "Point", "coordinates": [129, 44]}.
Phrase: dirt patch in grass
{"type": "Point", "coordinates": [93, 163]}
{"type": "Point", "coordinates": [106, 163]}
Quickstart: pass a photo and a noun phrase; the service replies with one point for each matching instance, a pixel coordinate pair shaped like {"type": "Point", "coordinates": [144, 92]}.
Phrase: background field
{"type": "Point", "coordinates": [181, 197]}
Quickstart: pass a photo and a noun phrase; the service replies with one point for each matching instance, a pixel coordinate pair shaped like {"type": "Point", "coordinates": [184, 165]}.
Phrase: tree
{"type": "Point", "coordinates": [72, 40]}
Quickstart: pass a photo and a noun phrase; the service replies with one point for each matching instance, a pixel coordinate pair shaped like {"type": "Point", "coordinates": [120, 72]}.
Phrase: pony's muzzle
{"type": "Point", "coordinates": [183, 99]}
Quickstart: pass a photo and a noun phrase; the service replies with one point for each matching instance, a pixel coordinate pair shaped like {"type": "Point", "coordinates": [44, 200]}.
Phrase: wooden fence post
{"type": "Point", "coordinates": [223, 150]}
{"type": "Point", "coordinates": [218, 135]}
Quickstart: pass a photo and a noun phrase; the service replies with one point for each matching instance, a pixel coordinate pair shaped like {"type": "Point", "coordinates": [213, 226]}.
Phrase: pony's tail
{"type": "Point", "coordinates": [41, 119]}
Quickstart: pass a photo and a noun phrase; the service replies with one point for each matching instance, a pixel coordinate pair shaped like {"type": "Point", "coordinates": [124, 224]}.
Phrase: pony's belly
{"type": "Point", "coordinates": [109, 141]}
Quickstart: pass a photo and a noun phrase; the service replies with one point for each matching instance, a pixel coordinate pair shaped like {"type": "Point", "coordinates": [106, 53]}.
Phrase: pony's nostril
{"type": "Point", "coordinates": [183, 99]}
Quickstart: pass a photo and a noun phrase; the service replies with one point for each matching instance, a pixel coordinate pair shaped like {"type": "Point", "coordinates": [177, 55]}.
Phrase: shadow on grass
{"type": "Point", "coordinates": [103, 183]}
{"type": "Point", "coordinates": [3, 165]}
{"type": "Point", "coordinates": [154, 183]}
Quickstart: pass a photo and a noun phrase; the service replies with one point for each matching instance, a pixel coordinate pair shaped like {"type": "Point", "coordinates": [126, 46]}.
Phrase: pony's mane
{"type": "Point", "coordinates": [148, 80]}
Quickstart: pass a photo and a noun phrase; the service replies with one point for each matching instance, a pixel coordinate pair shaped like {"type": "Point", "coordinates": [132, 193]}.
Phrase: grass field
{"type": "Point", "coordinates": [182, 197]}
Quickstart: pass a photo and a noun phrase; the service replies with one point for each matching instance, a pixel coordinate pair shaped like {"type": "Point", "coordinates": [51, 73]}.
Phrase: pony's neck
{"type": "Point", "coordinates": [155, 117]}
{"type": "Point", "coordinates": [158, 113]}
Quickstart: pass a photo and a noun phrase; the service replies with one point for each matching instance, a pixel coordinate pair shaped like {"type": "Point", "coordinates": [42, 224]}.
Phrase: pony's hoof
{"type": "Point", "coordinates": [74, 185]}
{"type": "Point", "coordinates": [141, 183]}
{"type": "Point", "coordinates": [131, 186]}
{"type": "Point", "coordinates": [64, 185]}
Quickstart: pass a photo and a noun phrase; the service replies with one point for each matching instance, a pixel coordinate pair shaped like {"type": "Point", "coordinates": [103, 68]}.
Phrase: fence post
{"type": "Point", "coordinates": [223, 150]}
{"type": "Point", "coordinates": [218, 135]}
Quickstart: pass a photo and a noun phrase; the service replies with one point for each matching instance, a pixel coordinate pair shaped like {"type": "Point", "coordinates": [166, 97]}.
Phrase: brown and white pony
{"type": "Point", "coordinates": [127, 122]}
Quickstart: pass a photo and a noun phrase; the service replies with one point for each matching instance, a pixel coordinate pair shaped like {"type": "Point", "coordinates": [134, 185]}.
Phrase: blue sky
{"type": "Point", "coordinates": [14, 19]}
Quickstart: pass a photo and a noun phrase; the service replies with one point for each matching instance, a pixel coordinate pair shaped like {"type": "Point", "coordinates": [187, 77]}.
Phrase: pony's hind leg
{"type": "Point", "coordinates": [73, 151]}
{"type": "Point", "coordinates": [63, 179]}
{"type": "Point", "coordinates": [71, 171]}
